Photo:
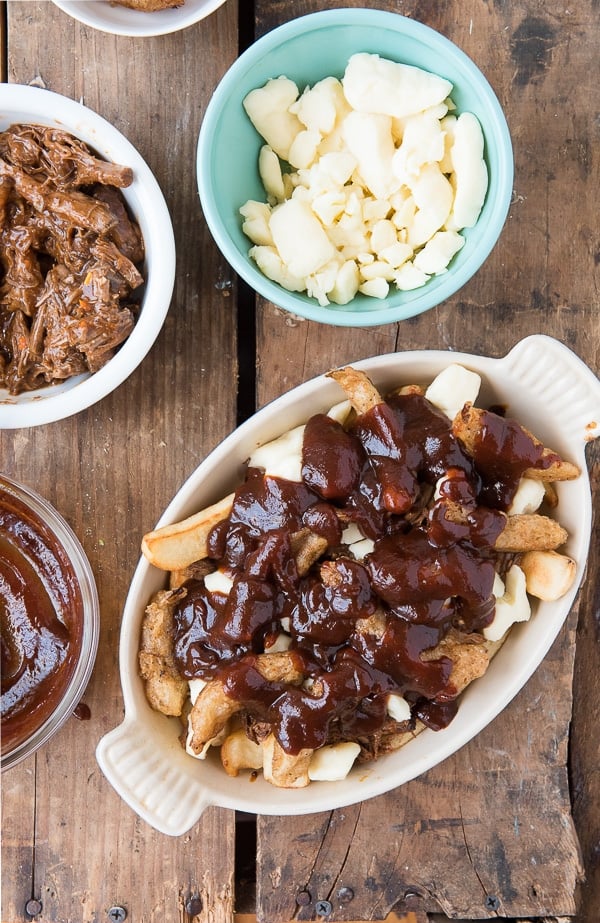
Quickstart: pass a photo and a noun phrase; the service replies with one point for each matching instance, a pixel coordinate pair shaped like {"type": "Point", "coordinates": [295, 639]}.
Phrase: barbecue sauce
{"type": "Point", "coordinates": [41, 612]}
{"type": "Point", "coordinates": [358, 628]}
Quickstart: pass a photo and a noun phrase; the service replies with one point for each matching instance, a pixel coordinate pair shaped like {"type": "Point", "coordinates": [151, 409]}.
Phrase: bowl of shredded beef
{"type": "Point", "coordinates": [139, 17]}
{"type": "Point", "coordinates": [87, 257]}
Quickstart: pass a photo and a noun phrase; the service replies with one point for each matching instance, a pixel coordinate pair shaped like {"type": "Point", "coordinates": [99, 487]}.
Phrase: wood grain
{"type": "Point", "coordinates": [111, 471]}
{"type": "Point", "coordinates": [479, 826]}
{"type": "Point", "coordinates": [495, 820]}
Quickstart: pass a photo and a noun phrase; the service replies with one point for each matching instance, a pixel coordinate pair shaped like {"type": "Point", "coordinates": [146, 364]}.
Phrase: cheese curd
{"type": "Point", "coordinates": [369, 180]}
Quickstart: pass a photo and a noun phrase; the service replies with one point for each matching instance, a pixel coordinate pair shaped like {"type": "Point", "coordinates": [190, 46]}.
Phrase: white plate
{"type": "Point", "coordinates": [543, 385]}
{"type": "Point", "coordinates": [144, 197]}
{"type": "Point", "coordinates": [120, 20]}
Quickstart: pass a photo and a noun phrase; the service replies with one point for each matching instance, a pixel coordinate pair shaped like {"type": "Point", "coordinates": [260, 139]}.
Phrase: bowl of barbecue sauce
{"type": "Point", "coordinates": [50, 620]}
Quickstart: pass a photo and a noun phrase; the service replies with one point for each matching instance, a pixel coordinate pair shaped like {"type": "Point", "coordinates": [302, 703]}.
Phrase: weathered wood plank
{"type": "Point", "coordinates": [584, 747]}
{"type": "Point", "coordinates": [111, 471]}
{"type": "Point", "coordinates": [3, 40]}
{"type": "Point", "coordinates": [478, 825]}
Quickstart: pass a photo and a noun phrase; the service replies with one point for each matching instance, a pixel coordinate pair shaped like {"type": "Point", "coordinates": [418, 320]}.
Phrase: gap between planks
{"type": "Point", "coordinates": [391, 918]}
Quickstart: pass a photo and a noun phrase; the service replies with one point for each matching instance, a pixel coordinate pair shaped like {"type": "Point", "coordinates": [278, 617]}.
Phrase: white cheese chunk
{"type": "Point", "coordinates": [362, 548]}
{"type": "Point", "coordinates": [369, 139]}
{"type": "Point", "coordinates": [422, 143]}
{"type": "Point", "coordinates": [267, 108]}
{"type": "Point", "coordinates": [269, 261]}
{"type": "Point", "coordinates": [282, 642]}
{"type": "Point", "coordinates": [374, 84]}
{"type": "Point", "coordinates": [300, 238]}
{"type": "Point", "coordinates": [528, 498]}
{"type": "Point", "coordinates": [320, 106]}
{"type": "Point", "coordinates": [375, 288]}
{"type": "Point", "coordinates": [410, 276]}
{"type": "Point", "coordinates": [196, 687]}
{"type": "Point", "coordinates": [438, 251]}
{"type": "Point", "coordinates": [512, 604]}
{"type": "Point", "coordinates": [340, 411]}
{"type": "Point", "coordinates": [218, 582]}
{"type": "Point", "coordinates": [303, 149]}
{"type": "Point", "coordinates": [281, 458]}
{"type": "Point", "coordinates": [269, 168]}
{"type": "Point", "coordinates": [452, 388]}
{"type": "Point", "coordinates": [332, 763]}
{"type": "Point", "coordinates": [433, 197]}
{"type": "Point", "coordinates": [351, 534]}
{"type": "Point", "coordinates": [398, 708]}
{"type": "Point", "coordinates": [469, 176]}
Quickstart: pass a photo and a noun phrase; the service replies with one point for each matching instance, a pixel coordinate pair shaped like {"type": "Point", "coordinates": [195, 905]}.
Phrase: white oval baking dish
{"type": "Point", "coordinates": [542, 384]}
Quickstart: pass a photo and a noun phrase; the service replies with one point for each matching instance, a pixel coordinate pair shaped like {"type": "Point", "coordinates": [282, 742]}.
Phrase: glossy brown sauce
{"type": "Point", "coordinates": [358, 628]}
{"type": "Point", "coordinates": [41, 614]}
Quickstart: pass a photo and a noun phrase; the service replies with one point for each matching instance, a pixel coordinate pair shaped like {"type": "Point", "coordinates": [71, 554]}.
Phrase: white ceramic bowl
{"type": "Point", "coordinates": [120, 20]}
{"type": "Point", "coordinates": [146, 202]}
{"type": "Point", "coordinates": [541, 383]}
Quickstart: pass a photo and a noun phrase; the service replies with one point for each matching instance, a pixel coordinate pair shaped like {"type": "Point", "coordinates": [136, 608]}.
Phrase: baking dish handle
{"type": "Point", "coordinates": [153, 775]}
{"type": "Point", "coordinates": [548, 369]}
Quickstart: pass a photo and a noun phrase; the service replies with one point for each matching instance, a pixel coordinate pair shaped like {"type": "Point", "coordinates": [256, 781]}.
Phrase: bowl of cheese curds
{"type": "Point", "coordinates": [87, 266]}
{"type": "Point", "coordinates": [355, 167]}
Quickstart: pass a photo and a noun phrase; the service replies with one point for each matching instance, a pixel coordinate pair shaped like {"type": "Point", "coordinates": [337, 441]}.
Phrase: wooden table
{"type": "Point", "coordinates": [508, 826]}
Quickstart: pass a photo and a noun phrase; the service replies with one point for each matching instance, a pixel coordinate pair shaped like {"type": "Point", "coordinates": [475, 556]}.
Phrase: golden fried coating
{"type": "Point", "coordinates": [468, 424]}
{"type": "Point", "coordinates": [527, 532]}
{"type": "Point", "coordinates": [285, 770]}
{"type": "Point", "coordinates": [166, 691]}
{"type": "Point", "coordinates": [360, 390]}
{"type": "Point", "coordinates": [469, 655]}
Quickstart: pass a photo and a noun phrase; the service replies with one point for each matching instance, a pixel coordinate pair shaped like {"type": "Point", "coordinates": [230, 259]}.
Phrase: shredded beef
{"type": "Point", "coordinates": [70, 258]}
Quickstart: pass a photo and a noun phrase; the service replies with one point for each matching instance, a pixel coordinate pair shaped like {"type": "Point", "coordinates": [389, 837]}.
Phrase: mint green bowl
{"type": "Point", "coordinates": [306, 50]}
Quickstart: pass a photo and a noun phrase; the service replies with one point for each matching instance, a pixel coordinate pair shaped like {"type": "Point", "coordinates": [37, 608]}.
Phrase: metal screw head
{"type": "Point", "coordinates": [323, 908]}
{"type": "Point", "coordinates": [33, 907]}
{"type": "Point", "coordinates": [303, 898]}
{"type": "Point", "coordinates": [116, 914]}
{"type": "Point", "coordinates": [193, 905]}
{"type": "Point", "coordinates": [345, 895]}
{"type": "Point", "coordinates": [492, 902]}
{"type": "Point", "coordinates": [411, 899]}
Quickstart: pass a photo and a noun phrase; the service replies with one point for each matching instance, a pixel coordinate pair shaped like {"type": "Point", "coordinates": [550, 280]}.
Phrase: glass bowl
{"type": "Point", "coordinates": [50, 621]}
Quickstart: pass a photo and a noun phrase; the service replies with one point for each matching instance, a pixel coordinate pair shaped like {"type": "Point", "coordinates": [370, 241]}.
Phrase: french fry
{"type": "Point", "coordinates": [239, 752]}
{"type": "Point", "coordinates": [214, 707]}
{"type": "Point", "coordinates": [280, 667]}
{"type": "Point", "coordinates": [166, 691]}
{"type": "Point", "coordinates": [210, 713]}
{"type": "Point", "coordinates": [176, 546]}
{"type": "Point", "coordinates": [307, 548]}
{"type": "Point", "coordinates": [521, 532]}
{"type": "Point", "coordinates": [410, 389]}
{"type": "Point", "coordinates": [360, 391]}
{"type": "Point", "coordinates": [532, 532]}
{"type": "Point", "coordinates": [285, 770]}
{"type": "Point", "coordinates": [467, 426]}
{"type": "Point", "coordinates": [469, 655]}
